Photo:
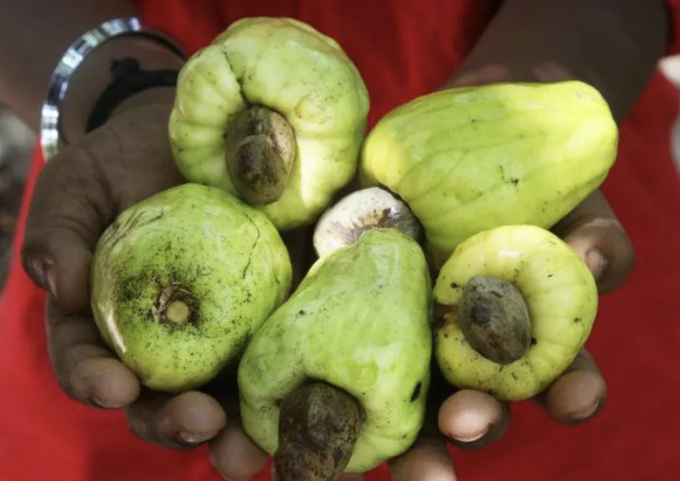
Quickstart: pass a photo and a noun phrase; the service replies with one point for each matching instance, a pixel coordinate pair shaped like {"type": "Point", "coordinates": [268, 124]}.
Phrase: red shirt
{"type": "Point", "coordinates": [403, 48]}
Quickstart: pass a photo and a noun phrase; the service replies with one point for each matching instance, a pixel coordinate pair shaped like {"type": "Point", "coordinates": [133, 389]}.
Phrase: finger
{"type": "Point", "coordinates": [84, 367]}
{"type": "Point", "coordinates": [68, 209]}
{"type": "Point", "coordinates": [178, 422]}
{"type": "Point", "coordinates": [578, 395]}
{"type": "Point", "coordinates": [473, 419]}
{"type": "Point", "coordinates": [595, 233]}
{"type": "Point", "coordinates": [427, 460]}
{"type": "Point", "coordinates": [57, 265]}
{"type": "Point", "coordinates": [235, 456]}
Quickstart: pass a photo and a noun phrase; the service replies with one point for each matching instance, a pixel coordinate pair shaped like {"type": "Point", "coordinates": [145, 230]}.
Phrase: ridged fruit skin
{"type": "Point", "coordinates": [359, 321]}
{"type": "Point", "coordinates": [289, 67]}
{"type": "Point", "coordinates": [474, 158]}
{"type": "Point", "coordinates": [226, 255]}
{"type": "Point", "coordinates": [560, 293]}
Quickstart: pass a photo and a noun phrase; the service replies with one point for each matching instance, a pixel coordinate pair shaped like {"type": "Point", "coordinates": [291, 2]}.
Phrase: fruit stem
{"type": "Point", "coordinates": [318, 429]}
{"type": "Point", "coordinates": [495, 319]}
{"type": "Point", "coordinates": [260, 151]}
{"type": "Point", "coordinates": [178, 312]}
{"type": "Point", "coordinates": [174, 306]}
{"type": "Point", "coordinates": [363, 210]}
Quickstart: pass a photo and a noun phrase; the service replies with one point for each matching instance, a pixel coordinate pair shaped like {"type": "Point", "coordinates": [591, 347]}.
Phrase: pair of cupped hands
{"type": "Point", "coordinates": [82, 189]}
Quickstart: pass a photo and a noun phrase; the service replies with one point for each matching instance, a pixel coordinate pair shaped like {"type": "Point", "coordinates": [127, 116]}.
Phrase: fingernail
{"type": "Point", "coordinates": [587, 413]}
{"type": "Point", "coordinates": [194, 438]}
{"type": "Point", "coordinates": [81, 390]}
{"type": "Point", "coordinates": [44, 276]}
{"type": "Point", "coordinates": [596, 262]}
{"type": "Point", "coordinates": [52, 282]}
{"type": "Point", "coordinates": [470, 439]}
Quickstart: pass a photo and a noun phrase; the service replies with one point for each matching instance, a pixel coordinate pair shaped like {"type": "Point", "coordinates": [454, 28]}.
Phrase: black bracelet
{"type": "Point", "coordinates": [128, 79]}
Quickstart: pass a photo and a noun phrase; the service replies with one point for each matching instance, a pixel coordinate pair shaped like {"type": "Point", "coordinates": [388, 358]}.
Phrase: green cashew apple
{"type": "Point", "coordinates": [336, 379]}
{"type": "Point", "coordinates": [272, 111]}
{"type": "Point", "coordinates": [470, 159]}
{"type": "Point", "coordinates": [514, 305]}
{"type": "Point", "coordinates": [181, 281]}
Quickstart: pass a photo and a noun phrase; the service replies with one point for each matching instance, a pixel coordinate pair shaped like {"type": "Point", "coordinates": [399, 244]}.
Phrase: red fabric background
{"type": "Point", "coordinates": [403, 49]}
{"type": "Point", "coordinates": [674, 11]}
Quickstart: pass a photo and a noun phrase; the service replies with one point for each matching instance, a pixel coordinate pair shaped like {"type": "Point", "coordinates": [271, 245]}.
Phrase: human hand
{"type": "Point", "coordinates": [79, 193]}
{"type": "Point", "coordinates": [473, 420]}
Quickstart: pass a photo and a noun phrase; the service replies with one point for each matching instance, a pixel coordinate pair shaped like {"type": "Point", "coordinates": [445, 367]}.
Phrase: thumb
{"type": "Point", "coordinates": [58, 261]}
{"type": "Point", "coordinates": [68, 209]}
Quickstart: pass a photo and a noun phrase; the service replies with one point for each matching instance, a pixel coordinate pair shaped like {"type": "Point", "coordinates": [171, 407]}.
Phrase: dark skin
{"type": "Point", "coordinates": [612, 44]}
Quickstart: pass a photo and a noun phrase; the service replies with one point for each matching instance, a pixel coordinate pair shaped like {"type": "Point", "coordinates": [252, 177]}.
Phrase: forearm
{"type": "Point", "coordinates": [612, 44]}
{"type": "Point", "coordinates": [34, 34]}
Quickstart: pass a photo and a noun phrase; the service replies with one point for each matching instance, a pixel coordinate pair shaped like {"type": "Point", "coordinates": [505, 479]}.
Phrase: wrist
{"type": "Point", "coordinates": [613, 45]}
{"type": "Point", "coordinates": [150, 96]}
{"type": "Point", "coordinates": [94, 75]}
{"type": "Point", "coordinates": [489, 72]}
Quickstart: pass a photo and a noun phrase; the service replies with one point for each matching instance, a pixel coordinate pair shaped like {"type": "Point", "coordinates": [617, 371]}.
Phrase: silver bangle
{"type": "Point", "coordinates": [50, 125]}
